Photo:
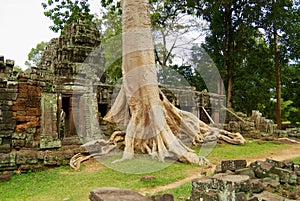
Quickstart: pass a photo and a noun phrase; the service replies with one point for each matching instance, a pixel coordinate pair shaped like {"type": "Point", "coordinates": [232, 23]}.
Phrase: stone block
{"type": "Point", "coordinates": [7, 160]}
{"type": "Point", "coordinates": [256, 186]}
{"type": "Point", "coordinates": [10, 63]}
{"type": "Point", "coordinates": [288, 164]}
{"type": "Point", "coordinates": [233, 165]}
{"type": "Point", "coordinates": [211, 195]}
{"type": "Point", "coordinates": [40, 155]}
{"type": "Point", "coordinates": [148, 178]}
{"type": "Point", "coordinates": [26, 157]}
{"type": "Point", "coordinates": [231, 183]}
{"type": "Point", "coordinates": [18, 143]}
{"type": "Point", "coordinates": [5, 148]}
{"type": "Point", "coordinates": [240, 196]}
{"type": "Point", "coordinates": [56, 158]}
{"type": "Point", "coordinates": [18, 136]}
{"type": "Point", "coordinates": [267, 196]}
{"type": "Point", "coordinates": [296, 168]}
{"type": "Point", "coordinates": [5, 132]}
{"type": "Point", "coordinates": [285, 175]}
{"type": "Point", "coordinates": [270, 183]}
{"type": "Point", "coordinates": [113, 194]}
{"type": "Point", "coordinates": [246, 171]}
{"type": "Point", "coordinates": [202, 184]}
{"type": "Point", "coordinates": [261, 168]}
{"type": "Point", "coordinates": [5, 176]}
{"type": "Point", "coordinates": [33, 112]}
{"type": "Point", "coordinates": [162, 197]}
{"type": "Point", "coordinates": [226, 195]}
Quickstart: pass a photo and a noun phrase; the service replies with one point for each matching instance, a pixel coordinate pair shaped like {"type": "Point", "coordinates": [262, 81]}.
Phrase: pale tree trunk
{"type": "Point", "coordinates": [150, 121]}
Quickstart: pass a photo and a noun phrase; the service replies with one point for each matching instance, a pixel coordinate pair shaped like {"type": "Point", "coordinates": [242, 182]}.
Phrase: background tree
{"type": "Point", "coordinates": [34, 56]}
{"type": "Point", "coordinates": [110, 27]}
{"type": "Point", "coordinates": [254, 77]}
{"type": "Point", "coordinates": [280, 21]}
{"type": "Point", "coordinates": [291, 92]}
{"type": "Point", "coordinates": [229, 23]}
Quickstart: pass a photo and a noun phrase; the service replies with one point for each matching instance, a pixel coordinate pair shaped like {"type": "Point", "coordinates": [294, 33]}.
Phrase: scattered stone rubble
{"type": "Point", "coordinates": [267, 180]}
{"type": "Point", "coordinates": [258, 127]}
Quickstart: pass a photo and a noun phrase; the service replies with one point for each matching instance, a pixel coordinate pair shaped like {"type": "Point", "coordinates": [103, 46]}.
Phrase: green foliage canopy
{"type": "Point", "coordinates": [34, 56]}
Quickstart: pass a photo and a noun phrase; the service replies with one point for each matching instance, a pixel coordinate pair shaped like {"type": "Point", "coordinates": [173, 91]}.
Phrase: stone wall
{"type": "Point", "coordinates": [8, 94]}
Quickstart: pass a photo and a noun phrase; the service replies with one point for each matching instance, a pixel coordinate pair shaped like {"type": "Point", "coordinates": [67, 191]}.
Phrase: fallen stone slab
{"type": "Point", "coordinates": [256, 186]}
{"type": "Point", "coordinates": [203, 184]}
{"type": "Point", "coordinates": [285, 175]}
{"type": "Point", "coordinates": [211, 195]}
{"type": "Point", "coordinates": [5, 176]}
{"type": "Point", "coordinates": [231, 183]}
{"type": "Point", "coordinates": [233, 165]}
{"type": "Point", "coordinates": [262, 168]}
{"type": "Point", "coordinates": [270, 183]}
{"type": "Point", "coordinates": [276, 163]}
{"type": "Point", "coordinates": [162, 197]}
{"type": "Point", "coordinates": [246, 171]}
{"type": "Point", "coordinates": [267, 196]}
{"type": "Point", "coordinates": [116, 194]}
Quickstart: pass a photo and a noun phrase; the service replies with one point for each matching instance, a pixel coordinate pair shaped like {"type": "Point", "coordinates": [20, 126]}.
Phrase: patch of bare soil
{"type": "Point", "coordinates": [293, 151]}
{"type": "Point", "coordinates": [191, 174]}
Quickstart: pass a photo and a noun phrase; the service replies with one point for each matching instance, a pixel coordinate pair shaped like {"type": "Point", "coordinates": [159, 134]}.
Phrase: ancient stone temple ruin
{"type": "Point", "coordinates": [48, 111]}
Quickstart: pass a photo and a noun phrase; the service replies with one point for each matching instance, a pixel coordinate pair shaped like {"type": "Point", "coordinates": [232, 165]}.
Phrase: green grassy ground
{"type": "Point", "coordinates": [62, 183]}
{"type": "Point", "coordinates": [65, 184]}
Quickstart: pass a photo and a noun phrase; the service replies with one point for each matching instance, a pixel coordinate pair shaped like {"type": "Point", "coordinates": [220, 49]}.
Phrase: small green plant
{"type": "Point", "coordinates": [296, 160]}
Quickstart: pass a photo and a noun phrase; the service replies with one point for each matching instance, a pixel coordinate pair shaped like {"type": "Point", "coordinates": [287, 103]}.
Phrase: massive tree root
{"type": "Point", "coordinates": [155, 129]}
{"type": "Point", "coordinates": [159, 137]}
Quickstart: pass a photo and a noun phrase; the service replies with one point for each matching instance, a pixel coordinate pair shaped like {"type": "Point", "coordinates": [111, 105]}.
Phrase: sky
{"type": "Point", "coordinates": [22, 26]}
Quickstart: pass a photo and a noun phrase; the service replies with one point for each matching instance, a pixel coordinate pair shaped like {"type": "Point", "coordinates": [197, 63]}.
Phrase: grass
{"type": "Point", "coordinates": [297, 160]}
{"type": "Point", "coordinates": [251, 149]}
{"type": "Point", "coordinates": [180, 193]}
{"type": "Point", "coordinates": [62, 183]}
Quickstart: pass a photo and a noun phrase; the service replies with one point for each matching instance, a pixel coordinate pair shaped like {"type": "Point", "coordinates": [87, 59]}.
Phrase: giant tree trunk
{"type": "Point", "coordinates": [150, 120]}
